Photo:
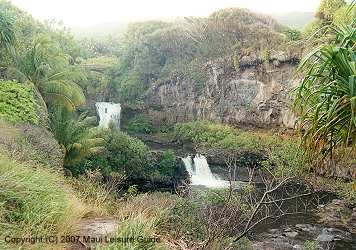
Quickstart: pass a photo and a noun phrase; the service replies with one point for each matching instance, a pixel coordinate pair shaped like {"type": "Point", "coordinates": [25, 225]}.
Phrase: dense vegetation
{"type": "Point", "coordinates": [34, 202]}
{"type": "Point", "coordinates": [153, 51]}
{"type": "Point", "coordinates": [17, 102]}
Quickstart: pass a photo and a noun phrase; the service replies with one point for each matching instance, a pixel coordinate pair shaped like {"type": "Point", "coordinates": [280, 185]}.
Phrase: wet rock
{"type": "Point", "coordinates": [339, 214]}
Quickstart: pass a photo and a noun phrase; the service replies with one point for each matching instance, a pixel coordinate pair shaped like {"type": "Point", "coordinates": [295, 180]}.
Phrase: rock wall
{"type": "Point", "coordinates": [256, 94]}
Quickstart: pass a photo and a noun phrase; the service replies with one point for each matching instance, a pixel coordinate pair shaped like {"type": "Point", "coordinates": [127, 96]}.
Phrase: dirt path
{"type": "Point", "coordinates": [93, 229]}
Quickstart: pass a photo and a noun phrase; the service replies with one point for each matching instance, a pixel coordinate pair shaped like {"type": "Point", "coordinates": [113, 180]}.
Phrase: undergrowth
{"type": "Point", "coordinates": [35, 201]}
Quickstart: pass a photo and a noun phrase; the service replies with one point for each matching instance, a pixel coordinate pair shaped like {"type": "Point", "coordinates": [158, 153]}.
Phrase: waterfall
{"type": "Point", "coordinates": [200, 173]}
{"type": "Point", "coordinates": [108, 112]}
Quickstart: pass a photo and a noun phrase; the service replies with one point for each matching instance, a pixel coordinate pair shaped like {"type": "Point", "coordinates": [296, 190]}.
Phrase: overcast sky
{"type": "Point", "coordinates": [88, 12]}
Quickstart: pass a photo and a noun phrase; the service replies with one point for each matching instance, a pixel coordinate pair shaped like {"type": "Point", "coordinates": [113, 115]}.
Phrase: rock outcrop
{"type": "Point", "coordinates": [255, 94]}
{"type": "Point", "coordinates": [28, 142]}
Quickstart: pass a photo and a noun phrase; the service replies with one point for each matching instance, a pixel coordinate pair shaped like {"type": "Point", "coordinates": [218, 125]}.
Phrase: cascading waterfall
{"type": "Point", "coordinates": [108, 112]}
{"type": "Point", "coordinates": [201, 175]}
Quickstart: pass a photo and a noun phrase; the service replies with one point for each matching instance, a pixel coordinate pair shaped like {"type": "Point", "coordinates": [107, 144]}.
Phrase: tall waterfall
{"type": "Point", "coordinates": [108, 112]}
{"type": "Point", "coordinates": [201, 175]}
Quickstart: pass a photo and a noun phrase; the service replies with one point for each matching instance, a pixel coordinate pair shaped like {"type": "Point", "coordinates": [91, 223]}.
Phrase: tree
{"type": "Point", "coordinates": [49, 70]}
{"type": "Point", "coordinates": [326, 97]}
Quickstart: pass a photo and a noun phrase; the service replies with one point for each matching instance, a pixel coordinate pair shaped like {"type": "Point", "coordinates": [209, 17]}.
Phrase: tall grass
{"type": "Point", "coordinates": [35, 202]}
{"type": "Point", "coordinates": [142, 232]}
{"type": "Point", "coordinates": [139, 218]}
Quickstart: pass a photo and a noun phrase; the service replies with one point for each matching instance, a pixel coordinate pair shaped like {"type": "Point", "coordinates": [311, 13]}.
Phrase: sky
{"type": "Point", "coordinates": [82, 13]}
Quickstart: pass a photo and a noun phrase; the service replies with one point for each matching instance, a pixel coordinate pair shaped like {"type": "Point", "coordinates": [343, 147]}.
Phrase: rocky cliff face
{"type": "Point", "coordinates": [256, 94]}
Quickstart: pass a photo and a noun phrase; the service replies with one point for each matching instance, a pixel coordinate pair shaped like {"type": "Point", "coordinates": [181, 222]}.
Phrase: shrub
{"type": "Point", "coordinates": [184, 221]}
{"type": "Point", "coordinates": [132, 191]}
{"type": "Point", "coordinates": [203, 132]}
{"type": "Point", "coordinates": [167, 164]}
{"type": "Point", "coordinates": [140, 124]}
{"type": "Point", "coordinates": [17, 102]}
{"type": "Point", "coordinates": [127, 155]}
{"type": "Point", "coordinates": [123, 154]}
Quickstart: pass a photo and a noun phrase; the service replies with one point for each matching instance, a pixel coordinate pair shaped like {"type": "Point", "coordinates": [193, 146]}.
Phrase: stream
{"type": "Point", "coordinates": [292, 232]}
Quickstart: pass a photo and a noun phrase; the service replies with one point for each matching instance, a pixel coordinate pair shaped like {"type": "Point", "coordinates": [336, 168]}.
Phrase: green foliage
{"type": "Point", "coordinates": [184, 220]}
{"type": "Point", "coordinates": [325, 99]}
{"type": "Point", "coordinates": [266, 56]}
{"type": "Point", "coordinates": [127, 155]}
{"type": "Point", "coordinates": [103, 61]}
{"type": "Point", "coordinates": [76, 135]}
{"type": "Point", "coordinates": [7, 31]}
{"type": "Point", "coordinates": [312, 28]}
{"type": "Point", "coordinates": [138, 228]}
{"type": "Point", "coordinates": [33, 201]}
{"type": "Point", "coordinates": [17, 102]}
{"type": "Point", "coordinates": [218, 135]}
{"type": "Point", "coordinates": [310, 245]}
{"type": "Point", "coordinates": [140, 124]}
{"type": "Point", "coordinates": [132, 191]}
{"type": "Point", "coordinates": [292, 34]}
{"type": "Point", "coordinates": [168, 163]}
{"type": "Point", "coordinates": [152, 52]}
{"type": "Point", "coordinates": [119, 153]}
{"type": "Point", "coordinates": [45, 55]}
{"type": "Point", "coordinates": [48, 68]}
{"type": "Point", "coordinates": [203, 132]}
{"type": "Point", "coordinates": [283, 155]}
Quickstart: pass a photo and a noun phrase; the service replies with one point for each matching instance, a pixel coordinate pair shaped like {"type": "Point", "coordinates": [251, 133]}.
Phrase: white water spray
{"type": "Point", "coordinates": [201, 175]}
{"type": "Point", "coordinates": [108, 112]}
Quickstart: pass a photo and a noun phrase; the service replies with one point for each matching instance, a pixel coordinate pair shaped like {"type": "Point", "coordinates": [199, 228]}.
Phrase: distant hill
{"type": "Point", "coordinates": [100, 30]}
{"type": "Point", "coordinates": [294, 19]}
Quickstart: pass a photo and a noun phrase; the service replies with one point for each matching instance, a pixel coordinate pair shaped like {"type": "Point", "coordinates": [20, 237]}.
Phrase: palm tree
{"type": "Point", "coordinates": [77, 136]}
{"type": "Point", "coordinates": [49, 70]}
{"type": "Point", "coordinates": [326, 98]}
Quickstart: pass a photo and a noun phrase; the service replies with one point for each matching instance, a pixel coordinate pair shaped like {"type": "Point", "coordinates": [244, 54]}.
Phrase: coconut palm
{"type": "Point", "coordinates": [326, 98]}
